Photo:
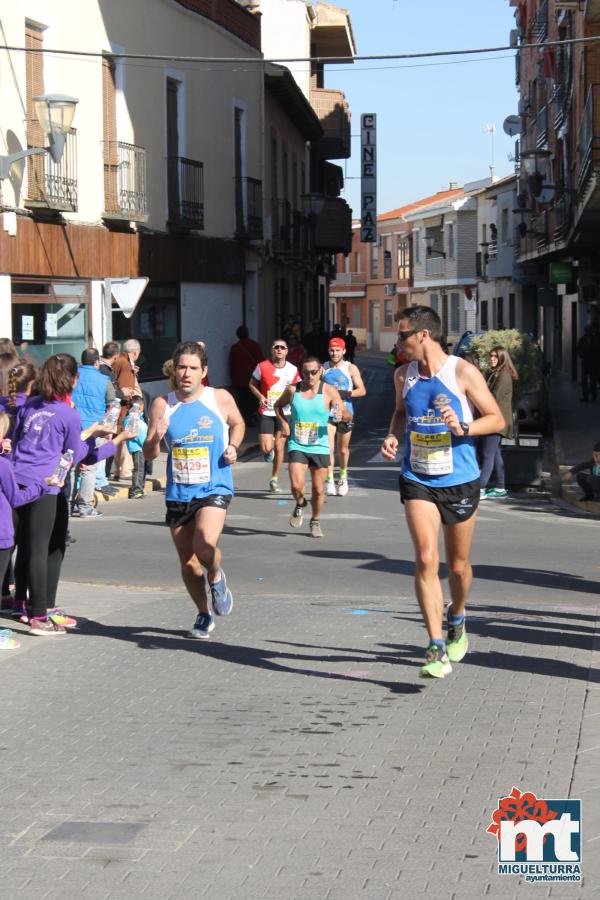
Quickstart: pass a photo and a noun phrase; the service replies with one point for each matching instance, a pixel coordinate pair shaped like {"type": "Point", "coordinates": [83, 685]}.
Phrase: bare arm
{"type": "Point", "coordinates": [358, 387]}
{"type": "Point", "coordinates": [157, 428]}
{"type": "Point", "coordinates": [254, 386]}
{"type": "Point", "coordinates": [237, 428]}
{"type": "Point", "coordinates": [333, 396]}
{"type": "Point", "coordinates": [389, 448]}
{"type": "Point", "coordinates": [472, 383]}
{"type": "Point", "coordinates": [279, 406]}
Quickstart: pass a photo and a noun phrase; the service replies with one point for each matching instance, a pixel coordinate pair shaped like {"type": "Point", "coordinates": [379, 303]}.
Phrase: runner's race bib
{"type": "Point", "coordinates": [306, 433]}
{"type": "Point", "coordinates": [272, 397]}
{"type": "Point", "coordinates": [191, 465]}
{"type": "Point", "coordinates": [431, 454]}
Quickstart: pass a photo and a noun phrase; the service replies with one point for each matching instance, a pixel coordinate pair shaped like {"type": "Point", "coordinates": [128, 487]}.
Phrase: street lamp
{"type": "Point", "coordinates": [55, 114]}
{"type": "Point", "coordinates": [431, 249]}
{"type": "Point", "coordinates": [536, 173]}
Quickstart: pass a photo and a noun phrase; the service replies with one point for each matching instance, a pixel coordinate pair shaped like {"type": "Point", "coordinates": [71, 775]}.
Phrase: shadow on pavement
{"type": "Point", "coordinates": [545, 578]}
{"type": "Point", "coordinates": [164, 639]}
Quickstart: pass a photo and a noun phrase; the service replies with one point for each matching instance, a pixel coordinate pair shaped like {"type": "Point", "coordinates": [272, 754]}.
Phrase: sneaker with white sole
{"type": "Point", "coordinates": [330, 490]}
{"type": "Point", "coordinates": [342, 487]}
{"type": "Point", "coordinates": [483, 494]}
{"type": "Point", "coordinates": [274, 486]}
{"type": "Point", "coordinates": [315, 528]}
{"type": "Point", "coordinates": [497, 493]}
{"type": "Point", "coordinates": [202, 627]}
{"type": "Point", "coordinates": [222, 598]}
{"type": "Point", "coordinates": [45, 628]}
{"type": "Point", "coordinates": [8, 641]}
{"type": "Point", "coordinates": [297, 516]}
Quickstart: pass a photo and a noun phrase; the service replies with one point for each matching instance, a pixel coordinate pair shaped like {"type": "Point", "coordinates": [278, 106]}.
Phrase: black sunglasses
{"type": "Point", "coordinates": [279, 347]}
{"type": "Point", "coordinates": [311, 371]}
{"type": "Point", "coordinates": [403, 335]}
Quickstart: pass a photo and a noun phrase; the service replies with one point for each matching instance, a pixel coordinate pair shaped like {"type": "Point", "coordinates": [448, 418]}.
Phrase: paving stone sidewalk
{"type": "Point", "coordinates": [294, 755]}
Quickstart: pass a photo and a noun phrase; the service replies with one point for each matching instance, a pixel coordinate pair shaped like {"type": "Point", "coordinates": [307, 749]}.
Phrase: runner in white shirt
{"type": "Point", "coordinates": [268, 382]}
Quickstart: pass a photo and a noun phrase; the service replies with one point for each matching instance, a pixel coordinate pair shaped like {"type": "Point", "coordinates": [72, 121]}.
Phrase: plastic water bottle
{"type": "Point", "coordinates": [133, 420]}
{"type": "Point", "coordinates": [59, 475]}
{"type": "Point", "coordinates": [111, 417]}
{"type": "Point", "coordinates": [336, 412]}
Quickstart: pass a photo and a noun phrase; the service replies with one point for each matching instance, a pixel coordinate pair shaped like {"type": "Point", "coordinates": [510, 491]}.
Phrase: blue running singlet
{"type": "Point", "coordinates": [196, 438]}
{"type": "Point", "coordinates": [339, 377]}
{"type": "Point", "coordinates": [433, 456]}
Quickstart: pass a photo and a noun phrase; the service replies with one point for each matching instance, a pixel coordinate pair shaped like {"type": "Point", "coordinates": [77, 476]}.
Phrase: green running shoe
{"type": "Point", "coordinates": [437, 663]}
{"type": "Point", "coordinates": [457, 643]}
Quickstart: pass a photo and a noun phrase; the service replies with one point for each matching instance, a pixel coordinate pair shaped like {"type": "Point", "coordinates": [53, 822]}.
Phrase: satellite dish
{"type": "Point", "coordinates": [512, 125]}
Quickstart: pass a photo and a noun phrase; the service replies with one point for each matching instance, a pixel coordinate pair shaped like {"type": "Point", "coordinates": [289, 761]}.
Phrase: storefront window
{"type": "Point", "coordinates": [49, 318]}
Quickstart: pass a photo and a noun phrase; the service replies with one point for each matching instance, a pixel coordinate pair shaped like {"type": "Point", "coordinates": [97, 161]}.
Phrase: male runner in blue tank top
{"type": "Point", "coordinates": [311, 402]}
{"type": "Point", "coordinates": [439, 481]}
{"type": "Point", "coordinates": [203, 429]}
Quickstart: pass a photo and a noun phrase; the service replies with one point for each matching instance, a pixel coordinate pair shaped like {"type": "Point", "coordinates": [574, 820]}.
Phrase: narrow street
{"type": "Point", "coordinates": [297, 754]}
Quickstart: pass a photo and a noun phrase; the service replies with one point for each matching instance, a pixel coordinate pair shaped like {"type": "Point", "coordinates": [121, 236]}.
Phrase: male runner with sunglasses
{"type": "Point", "coordinates": [312, 401]}
{"type": "Point", "coordinates": [439, 477]}
{"type": "Point", "coordinates": [269, 380]}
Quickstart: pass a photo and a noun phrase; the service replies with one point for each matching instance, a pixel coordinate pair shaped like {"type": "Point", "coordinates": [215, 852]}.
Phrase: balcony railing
{"type": "Point", "coordinates": [539, 26]}
{"type": "Point", "coordinates": [588, 140]}
{"type": "Point", "coordinates": [334, 115]}
{"type": "Point", "coordinates": [186, 193]}
{"type": "Point", "coordinates": [541, 128]}
{"type": "Point", "coordinates": [248, 209]}
{"type": "Point", "coordinates": [561, 219]}
{"type": "Point", "coordinates": [54, 185]}
{"type": "Point", "coordinates": [435, 265]}
{"type": "Point", "coordinates": [342, 279]}
{"type": "Point", "coordinates": [125, 191]}
{"type": "Point", "coordinates": [333, 227]}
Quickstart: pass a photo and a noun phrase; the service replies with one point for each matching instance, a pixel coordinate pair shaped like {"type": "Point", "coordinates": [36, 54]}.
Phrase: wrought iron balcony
{"type": "Point", "coordinates": [53, 185]}
{"type": "Point", "coordinates": [334, 115]}
{"type": "Point", "coordinates": [539, 26]}
{"type": "Point", "coordinates": [186, 193]}
{"type": "Point", "coordinates": [125, 192]}
{"type": "Point", "coordinates": [541, 128]}
{"type": "Point", "coordinates": [435, 265]}
{"type": "Point", "coordinates": [248, 209]}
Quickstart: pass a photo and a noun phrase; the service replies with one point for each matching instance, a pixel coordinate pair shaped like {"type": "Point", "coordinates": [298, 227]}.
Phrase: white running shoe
{"type": "Point", "coordinates": [342, 487]}
{"type": "Point", "coordinates": [330, 490]}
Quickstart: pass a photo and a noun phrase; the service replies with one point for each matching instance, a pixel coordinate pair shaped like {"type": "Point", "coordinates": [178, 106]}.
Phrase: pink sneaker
{"type": "Point", "coordinates": [59, 617]}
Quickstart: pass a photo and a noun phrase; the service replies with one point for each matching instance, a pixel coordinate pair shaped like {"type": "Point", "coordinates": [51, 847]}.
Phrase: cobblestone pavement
{"type": "Point", "coordinates": [295, 755]}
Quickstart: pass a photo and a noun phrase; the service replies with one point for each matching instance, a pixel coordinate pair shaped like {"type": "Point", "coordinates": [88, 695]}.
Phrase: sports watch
{"type": "Point", "coordinates": [465, 428]}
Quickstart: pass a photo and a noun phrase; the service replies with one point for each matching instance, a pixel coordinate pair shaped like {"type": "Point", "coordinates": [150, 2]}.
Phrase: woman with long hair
{"type": "Point", "coordinates": [46, 427]}
{"type": "Point", "coordinates": [500, 382]}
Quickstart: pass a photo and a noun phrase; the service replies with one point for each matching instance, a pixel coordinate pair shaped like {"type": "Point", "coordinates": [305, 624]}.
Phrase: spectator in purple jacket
{"type": "Point", "coordinates": [47, 426]}
{"type": "Point", "coordinates": [11, 495]}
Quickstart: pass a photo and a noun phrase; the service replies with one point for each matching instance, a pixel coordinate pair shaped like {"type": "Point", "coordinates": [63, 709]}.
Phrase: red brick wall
{"type": "Point", "coordinates": [231, 16]}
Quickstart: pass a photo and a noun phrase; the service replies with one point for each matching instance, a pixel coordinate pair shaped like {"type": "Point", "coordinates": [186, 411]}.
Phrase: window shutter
{"type": "Point", "coordinates": [34, 87]}
{"type": "Point", "coordinates": [109, 137]}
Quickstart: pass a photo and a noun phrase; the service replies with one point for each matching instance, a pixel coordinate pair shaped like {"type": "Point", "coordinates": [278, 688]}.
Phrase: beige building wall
{"type": "Point", "coordinates": [209, 93]}
{"type": "Point", "coordinates": [285, 34]}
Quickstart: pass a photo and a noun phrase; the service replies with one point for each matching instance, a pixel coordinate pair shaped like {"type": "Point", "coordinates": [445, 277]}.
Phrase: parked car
{"type": "Point", "coordinates": [532, 410]}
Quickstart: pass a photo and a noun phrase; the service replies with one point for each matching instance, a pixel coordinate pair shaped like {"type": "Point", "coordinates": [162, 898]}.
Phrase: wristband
{"type": "Point", "coordinates": [234, 447]}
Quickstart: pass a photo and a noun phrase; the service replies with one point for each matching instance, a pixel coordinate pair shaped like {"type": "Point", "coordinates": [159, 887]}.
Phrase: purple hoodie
{"type": "Point", "coordinates": [12, 495]}
{"type": "Point", "coordinates": [43, 430]}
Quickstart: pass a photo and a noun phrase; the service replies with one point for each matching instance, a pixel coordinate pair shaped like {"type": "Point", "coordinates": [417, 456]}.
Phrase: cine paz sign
{"type": "Point", "coordinates": [368, 178]}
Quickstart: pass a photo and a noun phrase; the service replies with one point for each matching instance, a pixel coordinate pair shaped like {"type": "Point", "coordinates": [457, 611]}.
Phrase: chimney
{"type": "Point", "coordinates": [453, 186]}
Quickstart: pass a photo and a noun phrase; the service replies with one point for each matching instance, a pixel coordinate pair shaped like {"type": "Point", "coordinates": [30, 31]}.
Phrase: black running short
{"type": "Point", "coordinates": [456, 504]}
{"type": "Point", "coordinates": [312, 460]}
{"type": "Point", "coordinates": [179, 513]}
{"type": "Point", "coordinates": [271, 424]}
{"type": "Point", "coordinates": [343, 427]}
